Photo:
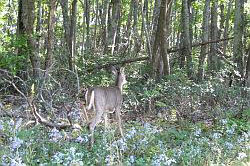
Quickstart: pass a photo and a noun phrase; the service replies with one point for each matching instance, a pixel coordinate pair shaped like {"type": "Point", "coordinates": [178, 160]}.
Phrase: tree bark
{"type": "Point", "coordinates": [105, 26]}
{"type": "Point", "coordinates": [191, 19]}
{"type": "Point", "coordinates": [225, 34]}
{"type": "Point", "coordinates": [160, 40]}
{"type": "Point", "coordinates": [87, 20]}
{"type": "Point", "coordinates": [38, 25]}
{"type": "Point", "coordinates": [96, 24]}
{"type": "Point", "coordinates": [247, 75]}
{"type": "Point", "coordinates": [50, 40]}
{"type": "Point", "coordinates": [222, 20]}
{"type": "Point", "coordinates": [28, 17]}
{"type": "Point", "coordinates": [205, 38]}
{"type": "Point", "coordinates": [128, 27]}
{"type": "Point", "coordinates": [83, 25]}
{"type": "Point", "coordinates": [66, 26]}
{"type": "Point", "coordinates": [145, 26]}
{"type": "Point", "coordinates": [214, 61]}
{"type": "Point", "coordinates": [238, 35]}
{"type": "Point", "coordinates": [116, 8]}
{"type": "Point", "coordinates": [166, 41]}
{"type": "Point", "coordinates": [72, 32]}
{"type": "Point", "coordinates": [135, 29]}
{"type": "Point", "coordinates": [20, 34]}
{"type": "Point", "coordinates": [186, 45]}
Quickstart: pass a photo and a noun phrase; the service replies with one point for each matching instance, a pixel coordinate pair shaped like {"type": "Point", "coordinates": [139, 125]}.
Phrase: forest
{"type": "Point", "coordinates": [125, 82]}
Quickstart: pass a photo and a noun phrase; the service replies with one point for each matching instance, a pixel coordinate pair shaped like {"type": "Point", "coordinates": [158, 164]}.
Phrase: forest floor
{"type": "Point", "coordinates": [191, 125]}
{"type": "Point", "coordinates": [148, 140]}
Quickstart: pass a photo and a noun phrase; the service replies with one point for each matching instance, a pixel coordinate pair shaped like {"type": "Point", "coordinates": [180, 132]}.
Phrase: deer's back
{"type": "Point", "coordinates": [107, 98]}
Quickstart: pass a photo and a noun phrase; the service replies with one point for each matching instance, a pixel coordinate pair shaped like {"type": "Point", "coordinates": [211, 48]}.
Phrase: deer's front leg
{"type": "Point", "coordinates": [118, 117]}
{"type": "Point", "coordinates": [93, 124]}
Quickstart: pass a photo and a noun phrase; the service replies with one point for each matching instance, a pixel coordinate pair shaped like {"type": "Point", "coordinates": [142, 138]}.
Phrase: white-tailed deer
{"type": "Point", "coordinates": [104, 100]}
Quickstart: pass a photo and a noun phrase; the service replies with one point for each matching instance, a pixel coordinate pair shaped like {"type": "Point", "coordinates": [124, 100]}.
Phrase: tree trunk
{"type": "Point", "coordinates": [20, 34]}
{"type": "Point", "coordinates": [222, 20]}
{"type": "Point", "coordinates": [104, 21]}
{"type": "Point", "coordinates": [227, 26]}
{"type": "Point", "coordinates": [116, 8]}
{"type": "Point", "coordinates": [50, 42]}
{"type": "Point", "coordinates": [83, 30]}
{"type": "Point", "coordinates": [186, 51]}
{"type": "Point", "coordinates": [248, 68]}
{"type": "Point", "coordinates": [205, 35]}
{"type": "Point", "coordinates": [160, 40]}
{"type": "Point", "coordinates": [145, 26]}
{"type": "Point", "coordinates": [66, 25]}
{"type": "Point", "coordinates": [191, 11]}
{"type": "Point", "coordinates": [28, 17]}
{"type": "Point", "coordinates": [238, 35]}
{"type": "Point", "coordinates": [135, 30]}
{"type": "Point", "coordinates": [174, 34]}
{"type": "Point", "coordinates": [156, 13]}
{"type": "Point", "coordinates": [96, 23]}
{"type": "Point", "coordinates": [87, 20]}
{"type": "Point", "coordinates": [165, 42]}
{"type": "Point", "coordinates": [195, 33]}
{"type": "Point", "coordinates": [38, 25]}
{"type": "Point", "coordinates": [214, 61]}
{"type": "Point", "coordinates": [128, 27]}
{"type": "Point", "coordinates": [72, 32]}
{"type": "Point", "coordinates": [153, 28]}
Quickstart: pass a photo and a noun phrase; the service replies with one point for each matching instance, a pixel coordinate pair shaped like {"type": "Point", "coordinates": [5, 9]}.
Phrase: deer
{"type": "Point", "coordinates": [104, 100]}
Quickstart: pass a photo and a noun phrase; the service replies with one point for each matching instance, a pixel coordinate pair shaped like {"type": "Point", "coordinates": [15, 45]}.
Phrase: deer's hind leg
{"type": "Point", "coordinates": [93, 124]}
{"type": "Point", "coordinates": [106, 121]}
{"type": "Point", "coordinates": [85, 114]}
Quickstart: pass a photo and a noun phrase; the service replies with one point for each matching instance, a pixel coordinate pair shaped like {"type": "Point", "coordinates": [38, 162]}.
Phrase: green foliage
{"type": "Point", "coordinates": [102, 77]}
{"type": "Point", "coordinates": [211, 98]}
{"type": "Point", "coordinates": [11, 61]}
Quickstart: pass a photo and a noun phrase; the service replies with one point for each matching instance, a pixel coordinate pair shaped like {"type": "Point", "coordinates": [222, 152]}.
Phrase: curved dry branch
{"type": "Point", "coordinates": [31, 104]}
{"type": "Point", "coordinates": [45, 122]}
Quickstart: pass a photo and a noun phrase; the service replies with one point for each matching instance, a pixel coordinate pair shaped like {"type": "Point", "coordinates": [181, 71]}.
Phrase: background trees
{"type": "Point", "coordinates": [77, 31]}
{"type": "Point", "coordinates": [73, 41]}
{"type": "Point", "coordinates": [70, 42]}
{"type": "Point", "coordinates": [124, 29]}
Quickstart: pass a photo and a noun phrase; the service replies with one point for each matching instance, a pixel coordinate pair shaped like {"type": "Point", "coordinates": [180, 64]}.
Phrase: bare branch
{"type": "Point", "coordinates": [170, 50]}
{"type": "Point", "coordinates": [46, 122]}
{"type": "Point", "coordinates": [118, 63]}
{"type": "Point", "coordinates": [19, 91]}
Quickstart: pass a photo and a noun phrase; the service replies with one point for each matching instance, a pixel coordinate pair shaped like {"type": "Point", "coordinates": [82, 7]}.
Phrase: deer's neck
{"type": "Point", "coordinates": [119, 84]}
{"type": "Point", "coordinates": [120, 87]}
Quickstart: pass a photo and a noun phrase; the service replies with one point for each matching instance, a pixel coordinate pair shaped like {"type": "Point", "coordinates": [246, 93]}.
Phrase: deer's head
{"type": "Point", "coordinates": [120, 77]}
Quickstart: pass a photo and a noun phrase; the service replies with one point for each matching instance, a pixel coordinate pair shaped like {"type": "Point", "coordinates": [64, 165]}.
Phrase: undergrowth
{"type": "Point", "coordinates": [193, 124]}
{"type": "Point", "coordinates": [159, 142]}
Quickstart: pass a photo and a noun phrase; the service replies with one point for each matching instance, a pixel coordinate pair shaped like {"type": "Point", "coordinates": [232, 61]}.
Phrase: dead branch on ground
{"type": "Point", "coordinates": [31, 105]}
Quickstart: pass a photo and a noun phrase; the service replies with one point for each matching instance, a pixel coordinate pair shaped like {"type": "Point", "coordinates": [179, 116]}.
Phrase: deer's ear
{"type": "Point", "coordinates": [122, 69]}
{"type": "Point", "coordinates": [114, 70]}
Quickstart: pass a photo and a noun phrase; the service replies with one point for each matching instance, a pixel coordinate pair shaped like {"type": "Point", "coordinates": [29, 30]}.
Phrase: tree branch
{"type": "Point", "coordinates": [118, 63]}
{"type": "Point", "coordinates": [170, 50]}
{"type": "Point", "coordinates": [174, 49]}
{"type": "Point", "coordinates": [46, 122]}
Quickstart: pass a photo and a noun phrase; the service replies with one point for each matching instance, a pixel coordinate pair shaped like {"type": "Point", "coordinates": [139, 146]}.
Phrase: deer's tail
{"type": "Point", "coordinates": [90, 95]}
